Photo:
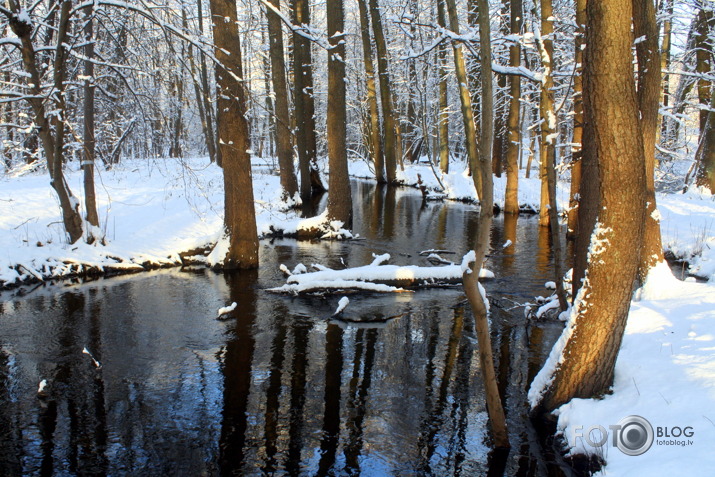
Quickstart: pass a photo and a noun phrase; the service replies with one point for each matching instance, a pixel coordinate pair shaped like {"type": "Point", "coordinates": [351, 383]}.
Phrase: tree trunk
{"type": "Point", "coordinates": [705, 156]}
{"type": "Point", "coordinates": [52, 145]}
{"type": "Point", "coordinates": [511, 201]}
{"type": "Point", "coordinates": [549, 133]}
{"type": "Point", "coordinates": [207, 106]}
{"type": "Point", "coordinates": [90, 200]}
{"type": "Point", "coordinates": [284, 150]}
{"type": "Point", "coordinates": [577, 138]}
{"type": "Point", "coordinates": [667, 13]}
{"type": "Point", "coordinates": [476, 299]}
{"type": "Point", "coordinates": [240, 213]}
{"type": "Point", "coordinates": [388, 115]}
{"type": "Point", "coordinates": [470, 129]}
{"type": "Point", "coordinates": [303, 98]}
{"type": "Point", "coordinates": [649, 87]}
{"type": "Point", "coordinates": [339, 199]}
{"type": "Point", "coordinates": [705, 19]}
{"type": "Point", "coordinates": [443, 117]}
{"type": "Point", "coordinates": [597, 323]}
{"type": "Point", "coordinates": [374, 132]}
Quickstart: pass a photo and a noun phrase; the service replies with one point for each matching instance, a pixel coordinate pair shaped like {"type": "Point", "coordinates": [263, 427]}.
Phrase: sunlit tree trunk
{"type": "Point", "coordinates": [284, 150]}
{"type": "Point", "coordinates": [388, 115]}
{"type": "Point", "coordinates": [511, 202]}
{"type": "Point", "coordinates": [470, 130]}
{"type": "Point", "coordinates": [240, 213]}
{"type": "Point", "coordinates": [705, 156]}
{"type": "Point", "coordinates": [443, 115]}
{"type": "Point", "coordinates": [486, 212]}
{"type": "Point", "coordinates": [667, 13]}
{"type": "Point", "coordinates": [375, 139]}
{"type": "Point", "coordinates": [597, 323]}
{"type": "Point", "coordinates": [339, 199]}
{"type": "Point", "coordinates": [649, 87]}
{"type": "Point", "coordinates": [577, 138]}
{"type": "Point", "coordinates": [549, 132]}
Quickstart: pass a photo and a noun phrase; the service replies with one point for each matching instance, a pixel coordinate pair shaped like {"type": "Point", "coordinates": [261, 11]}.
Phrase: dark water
{"type": "Point", "coordinates": [279, 388]}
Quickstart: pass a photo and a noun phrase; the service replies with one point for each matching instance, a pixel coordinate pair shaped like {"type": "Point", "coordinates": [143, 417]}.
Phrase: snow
{"type": "Point", "coordinates": [227, 309]}
{"type": "Point", "coordinates": [665, 373]}
{"type": "Point", "coordinates": [342, 303]}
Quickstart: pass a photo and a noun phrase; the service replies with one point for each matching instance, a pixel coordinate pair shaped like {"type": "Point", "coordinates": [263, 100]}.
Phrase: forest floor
{"type": "Point", "coordinates": [151, 211]}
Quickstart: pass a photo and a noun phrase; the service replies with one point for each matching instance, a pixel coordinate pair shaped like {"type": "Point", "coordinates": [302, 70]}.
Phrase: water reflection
{"type": "Point", "coordinates": [280, 388]}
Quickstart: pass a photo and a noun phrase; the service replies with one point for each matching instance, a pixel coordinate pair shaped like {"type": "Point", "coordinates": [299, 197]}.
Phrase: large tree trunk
{"type": "Point", "coordinates": [284, 149]}
{"type": "Point", "coordinates": [470, 129]}
{"type": "Point", "coordinates": [511, 201]}
{"type": "Point", "coordinates": [240, 213]}
{"type": "Point", "coordinates": [649, 87]}
{"type": "Point", "coordinates": [388, 115]}
{"type": "Point", "coordinates": [577, 138]}
{"type": "Point", "coordinates": [375, 140]}
{"type": "Point", "coordinates": [90, 200]}
{"type": "Point", "coordinates": [304, 105]}
{"type": "Point", "coordinates": [339, 199]}
{"type": "Point", "coordinates": [598, 320]}
{"type": "Point", "coordinates": [705, 156]}
{"type": "Point", "coordinates": [52, 144]}
{"type": "Point", "coordinates": [704, 23]}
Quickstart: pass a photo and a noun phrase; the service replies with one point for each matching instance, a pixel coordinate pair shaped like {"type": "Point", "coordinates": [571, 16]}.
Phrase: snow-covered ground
{"type": "Point", "coordinates": [152, 210]}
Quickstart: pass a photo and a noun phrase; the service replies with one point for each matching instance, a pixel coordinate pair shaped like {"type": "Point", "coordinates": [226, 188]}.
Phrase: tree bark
{"type": "Point", "coordinates": [470, 129]}
{"type": "Point", "coordinates": [598, 321]}
{"type": "Point", "coordinates": [284, 150]}
{"type": "Point", "coordinates": [374, 132]}
{"type": "Point", "coordinates": [648, 91]}
{"type": "Point", "coordinates": [339, 198]}
{"type": "Point", "coordinates": [577, 138]}
{"type": "Point", "coordinates": [51, 131]}
{"type": "Point", "coordinates": [388, 114]}
{"type": "Point", "coordinates": [704, 23]}
{"type": "Point", "coordinates": [511, 201]}
{"type": "Point", "coordinates": [705, 156]}
{"type": "Point", "coordinates": [240, 213]}
{"type": "Point", "coordinates": [477, 301]}
{"type": "Point", "coordinates": [304, 105]}
{"type": "Point", "coordinates": [90, 200]}
{"type": "Point", "coordinates": [443, 116]}
{"type": "Point", "coordinates": [549, 133]}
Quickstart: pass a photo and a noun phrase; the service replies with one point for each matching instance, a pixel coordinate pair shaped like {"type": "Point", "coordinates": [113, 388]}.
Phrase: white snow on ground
{"type": "Point", "coordinates": [665, 373]}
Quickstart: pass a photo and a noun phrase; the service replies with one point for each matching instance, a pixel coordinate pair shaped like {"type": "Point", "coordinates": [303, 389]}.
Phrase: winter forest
{"type": "Point", "coordinates": [429, 237]}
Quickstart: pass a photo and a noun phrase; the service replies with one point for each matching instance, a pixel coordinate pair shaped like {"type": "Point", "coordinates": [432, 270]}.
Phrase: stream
{"type": "Point", "coordinates": [143, 379]}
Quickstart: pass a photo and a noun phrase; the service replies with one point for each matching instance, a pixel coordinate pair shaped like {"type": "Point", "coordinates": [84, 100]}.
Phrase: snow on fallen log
{"type": "Point", "coordinates": [341, 305]}
{"type": "Point", "coordinates": [375, 277]}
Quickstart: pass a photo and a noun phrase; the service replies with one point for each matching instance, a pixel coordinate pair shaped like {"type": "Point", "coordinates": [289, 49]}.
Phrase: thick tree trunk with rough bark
{"type": "Point", "coordinates": [649, 87]}
{"type": "Point", "coordinates": [378, 158]}
{"type": "Point", "coordinates": [705, 156]}
{"type": "Point", "coordinates": [240, 213]}
{"type": "Point", "coordinates": [598, 320]}
{"type": "Point", "coordinates": [704, 23]}
{"type": "Point", "coordinates": [511, 201]}
{"type": "Point", "coordinates": [284, 150]}
{"type": "Point", "coordinates": [388, 115]}
{"type": "Point", "coordinates": [339, 198]}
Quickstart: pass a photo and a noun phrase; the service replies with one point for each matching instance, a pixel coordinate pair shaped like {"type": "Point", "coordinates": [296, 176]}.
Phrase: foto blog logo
{"type": "Point", "coordinates": [633, 435]}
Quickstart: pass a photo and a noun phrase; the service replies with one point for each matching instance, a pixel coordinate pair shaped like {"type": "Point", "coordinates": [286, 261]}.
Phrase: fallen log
{"type": "Point", "coordinates": [375, 277]}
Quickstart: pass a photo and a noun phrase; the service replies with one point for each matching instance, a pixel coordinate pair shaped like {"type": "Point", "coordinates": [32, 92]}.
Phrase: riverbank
{"type": "Point", "coordinates": [162, 212]}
